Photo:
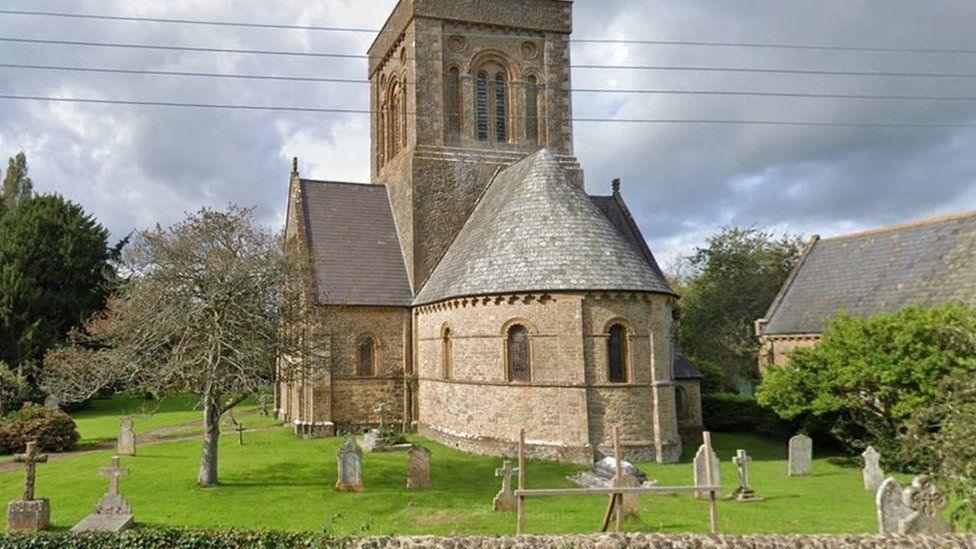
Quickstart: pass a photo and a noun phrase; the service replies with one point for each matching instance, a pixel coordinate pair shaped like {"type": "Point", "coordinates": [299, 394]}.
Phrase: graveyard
{"type": "Point", "coordinates": [278, 481]}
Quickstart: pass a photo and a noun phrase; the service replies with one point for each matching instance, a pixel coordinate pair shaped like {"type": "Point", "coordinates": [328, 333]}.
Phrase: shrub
{"type": "Point", "coordinates": [390, 436]}
{"type": "Point", "coordinates": [53, 430]}
{"type": "Point", "coordinates": [866, 377]}
{"type": "Point", "coordinates": [730, 413]}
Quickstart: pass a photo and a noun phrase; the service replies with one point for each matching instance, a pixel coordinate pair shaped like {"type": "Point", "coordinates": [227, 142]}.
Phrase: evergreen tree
{"type": "Point", "coordinates": [16, 185]}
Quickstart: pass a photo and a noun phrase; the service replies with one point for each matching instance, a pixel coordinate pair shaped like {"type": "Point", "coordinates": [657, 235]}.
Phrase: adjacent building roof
{"type": "Point", "coordinates": [535, 230]}
{"type": "Point", "coordinates": [683, 368]}
{"type": "Point", "coordinates": [353, 241]}
{"type": "Point", "coordinates": [878, 271]}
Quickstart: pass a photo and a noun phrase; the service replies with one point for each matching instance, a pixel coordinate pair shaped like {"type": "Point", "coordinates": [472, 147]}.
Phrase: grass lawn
{"type": "Point", "coordinates": [276, 481]}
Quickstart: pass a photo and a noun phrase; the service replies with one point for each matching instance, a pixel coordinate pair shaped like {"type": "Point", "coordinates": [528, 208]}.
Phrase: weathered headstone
{"type": "Point", "coordinates": [701, 473]}
{"type": "Point", "coordinates": [112, 513]}
{"type": "Point", "coordinates": [263, 405]}
{"type": "Point", "coordinates": [505, 498]}
{"type": "Point", "coordinates": [350, 463]}
{"type": "Point", "coordinates": [603, 475]}
{"type": "Point", "coordinates": [52, 402]}
{"type": "Point", "coordinates": [418, 469]}
{"type": "Point", "coordinates": [126, 445]}
{"type": "Point", "coordinates": [916, 509]}
{"type": "Point", "coordinates": [744, 492]}
{"type": "Point", "coordinates": [28, 514]}
{"type": "Point", "coordinates": [872, 475]}
{"type": "Point", "coordinates": [801, 456]}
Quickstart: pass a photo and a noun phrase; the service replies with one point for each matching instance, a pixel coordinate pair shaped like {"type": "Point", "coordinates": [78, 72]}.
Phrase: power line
{"type": "Point", "coordinates": [621, 91]}
{"type": "Point", "coordinates": [686, 68]}
{"type": "Point", "coordinates": [703, 121]}
{"type": "Point", "coordinates": [241, 24]}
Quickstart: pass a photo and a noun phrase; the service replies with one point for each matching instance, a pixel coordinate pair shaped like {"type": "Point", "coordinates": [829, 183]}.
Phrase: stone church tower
{"type": "Point", "coordinates": [461, 89]}
{"type": "Point", "coordinates": [473, 287]}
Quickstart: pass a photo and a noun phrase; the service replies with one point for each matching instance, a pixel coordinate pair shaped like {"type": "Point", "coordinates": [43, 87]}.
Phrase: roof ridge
{"type": "Point", "coordinates": [325, 182]}
{"type": "Point", "coordinates": [904, 226]}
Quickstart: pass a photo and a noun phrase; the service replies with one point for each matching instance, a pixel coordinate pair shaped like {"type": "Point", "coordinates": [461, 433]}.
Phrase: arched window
{"type": "Point", "coordinates": [617, 354]}
{"type": "Point", "coordinates": [481, 105]}
{"type": "Point", "coordinates": [366, 355]}
{"type": "Point", "coordinates": [501, 106]}
{"type": "Point", "coordinates": [680, 402]}
{"type": "Point", "coordinates": [448, 352]}
{"type": "Point", "coordinates": [519, 355]}
{"type": "Point", "coordinates": [532, 110]}
{"type": "Point", "coordinates": [452, 103]}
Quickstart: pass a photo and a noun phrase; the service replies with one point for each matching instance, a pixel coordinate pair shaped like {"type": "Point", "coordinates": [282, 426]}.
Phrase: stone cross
{"type": "Point", "coordinates": [350, 463]}
{"type": "Point", "coordinates": [744, 492]}
{"type": "Point", "coordinates": [240, 434]}
{"type": "Point", "coordinates": [127, 439]}
{"type": "Point", "coordinates": [701, 471]}
{"type": "Point", "coordinates": [801, 456]}
{"type": "Point", "coordinates": [30, 459]}
{"type": "Point", "coordinates": [418, 469]}
{"type": "Point", "coordinates": [872, 475]}
{"type": "Point", "coordinates": [505, 499]}
{"type": "Point", "coordinates": [381, 410]}
{"type": "Point", "coordinates": [113, 473]}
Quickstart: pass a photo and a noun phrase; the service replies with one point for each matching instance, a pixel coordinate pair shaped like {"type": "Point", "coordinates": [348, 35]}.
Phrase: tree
{"type": "Point", "coordinates": [56, 270]}
{"type": "Point", "coordinates": [212, 304]}
{"type": "Point", "coordinates": [16, 185]}
{"type": "Point", "coordinates": [725, 286]}
{"type": "Point", "coordinates": [866, 377]}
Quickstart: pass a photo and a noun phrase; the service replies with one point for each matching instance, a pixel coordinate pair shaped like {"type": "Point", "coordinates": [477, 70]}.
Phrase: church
{"type": "Point", "coordinates": [473, 288]}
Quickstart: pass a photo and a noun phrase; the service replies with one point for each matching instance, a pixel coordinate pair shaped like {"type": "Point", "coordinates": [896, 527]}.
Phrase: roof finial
{"type": "Point", "coordinates": [616, 186]}
{"type": "Point", "coordinates": [294, 165]}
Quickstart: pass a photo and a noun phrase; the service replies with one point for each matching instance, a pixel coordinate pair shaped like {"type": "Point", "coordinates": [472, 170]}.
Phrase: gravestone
{"type": "Point", "coordinates": [52, 402]}
{"type": "Point", "coordinates": [127, 439]}
{"type": "Point", "coordinates": [263, 405]}
{"type": "Point", "coordinates": [603, 474]}
{"type": "Point", "coordinates": [872, 475]}
{"type": "Point", "coordinates": [350, 463]}
{"type": "Point", "coordinates": [28, 514]}
{"type": "Point", "coordinates": [916, 509]}
{"type": "Point", "coordinates": [381, 411]}
{"type": "Point", "coordinates": [701, 473]}
{"type": "Point", "coordinates": [112, 513]}
{"type": "Point", "coordinates": [801, 456]}
{"type": "Point", "coordinates": [240, 434]}
{"type": "Point", "coordinates": [744, 492]}
{"type": "Point", "coordinates": [418, 469]}
{"type": "Point", "coordinates": [505, 498]}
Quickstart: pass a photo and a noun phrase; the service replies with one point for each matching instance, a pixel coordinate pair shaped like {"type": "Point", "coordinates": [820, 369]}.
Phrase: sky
{"type": "Point", "coordinates": [133, 167]}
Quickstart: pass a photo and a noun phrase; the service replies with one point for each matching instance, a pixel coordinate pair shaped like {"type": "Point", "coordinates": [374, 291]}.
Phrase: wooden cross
{"type": "Point", "coordinates": [381, 409]}
{"type": "Point", "coordinates": [113, 473]}
{"type": "Point", "coordinates": [240, 434]}
{"type": "Point", "coordinates": [506, 472]}
{"type": "Point", "coordinates": [30, 459]}
{"type": "Point", "coordinates": [741, 460]}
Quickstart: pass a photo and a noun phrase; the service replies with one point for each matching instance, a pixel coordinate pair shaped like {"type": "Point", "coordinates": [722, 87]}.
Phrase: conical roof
{"type": "Point", "coordinates": [535, 230]}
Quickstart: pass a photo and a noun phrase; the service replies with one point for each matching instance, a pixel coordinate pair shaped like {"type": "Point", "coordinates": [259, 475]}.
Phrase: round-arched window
{"type": "Point", "coordinates": [519, 355]}
{"type": "Point", "coordinates": [617, 354]}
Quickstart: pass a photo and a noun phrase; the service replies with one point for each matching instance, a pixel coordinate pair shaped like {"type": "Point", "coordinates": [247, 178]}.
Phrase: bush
{"type": "Point", "coordinates": [53, 430]}
{"type": "Point", "coordinates": [729, 413]}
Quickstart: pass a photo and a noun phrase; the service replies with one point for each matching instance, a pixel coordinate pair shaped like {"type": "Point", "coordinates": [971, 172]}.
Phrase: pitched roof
{"type": "Point", "coordinates": [683, 368]}
{"type": "Point", "coordinates": [353, 240]}
{"type": "Point", "coordinates": [879, 271]}
{"type": "Point", "coordinates": [535, 230]}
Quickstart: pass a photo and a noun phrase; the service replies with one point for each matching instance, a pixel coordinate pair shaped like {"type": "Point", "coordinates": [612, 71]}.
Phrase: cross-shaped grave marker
{"type": "Point", "coordinates": [505, 499]}
{"type": "Point", "coordinates": [744, 492]}
{"type": "Point", "coordinates": [30, 459]}
{"type": "Point", "coordinates": [113, 473]}
{"type": "Point", "coordinates": [240, 434]}
{"type": "Point", "coordinates": [381, 410]}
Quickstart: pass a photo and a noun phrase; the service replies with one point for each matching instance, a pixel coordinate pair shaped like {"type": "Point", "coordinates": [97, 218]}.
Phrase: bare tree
{"type": "Point", "coordinates": [203, 313]}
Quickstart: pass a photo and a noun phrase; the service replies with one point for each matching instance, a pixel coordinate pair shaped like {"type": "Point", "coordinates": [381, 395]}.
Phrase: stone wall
{"type": "Point", "coordinates": [690, 423]}
{"type": "Point", "coordinates": [610, 541]}
{"type": "Point", "coordinates": [569, 407]}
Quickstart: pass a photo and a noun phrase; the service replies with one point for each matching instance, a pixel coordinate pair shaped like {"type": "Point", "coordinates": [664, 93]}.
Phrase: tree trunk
{"type": "Point", "coordinates": [211, 437]}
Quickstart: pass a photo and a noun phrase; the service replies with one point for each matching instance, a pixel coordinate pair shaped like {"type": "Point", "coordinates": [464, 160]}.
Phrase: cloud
{"type": "Point", "coordinates": [134, 166]}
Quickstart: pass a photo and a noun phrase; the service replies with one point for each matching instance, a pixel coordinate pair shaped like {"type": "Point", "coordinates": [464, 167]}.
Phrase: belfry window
{"type": "Point", "coordinates": [491, 101]}
{"type": "Point", "coordinates": [481, 100]}
{"type": "Point", "coordinates": [617, 354]}
{"type": "Point", "coordinates": [501, 92]}
{"type": "Point", "coordinates": [366, 351]}
{"type": "Point", "coordinates": [518, 354]}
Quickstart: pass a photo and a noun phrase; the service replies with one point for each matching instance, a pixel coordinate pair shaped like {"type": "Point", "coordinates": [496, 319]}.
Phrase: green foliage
{"type": "Point", "coordinates": [868, 376]}
{"type": "Point", "coordinates": [16, 185]}
{"type": "Point", "coordinates": [390, 436]}
{"type": "Point", "coordinates": [731, 413]}
{"type": "Point", "coordinates": [167, 538]}
{"type": "Point", "coordinates": [14, 390]}
{"type": "Point", "coordinates": [53, 430]}
{"type": "Point", "coordinates": [725, 287]}
{"type": "Point", "coordinates": [55, 272]}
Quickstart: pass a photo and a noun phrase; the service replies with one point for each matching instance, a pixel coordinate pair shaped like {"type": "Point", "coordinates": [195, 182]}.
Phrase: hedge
{"type": "Point", "coordinates": [730, 413]}
{"type": "Point", "coordinates": [168, 538]}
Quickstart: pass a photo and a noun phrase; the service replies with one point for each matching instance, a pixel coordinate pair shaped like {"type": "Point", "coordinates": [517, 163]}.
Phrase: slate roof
{"type": "Point", "coordinates": [879, 271]}
{"type": "Point", "coordinates": [683, 368]}
{"type": "Point", "coordinates": [353, 240]}
{"type": "Point", "coordinates": [535, 230]}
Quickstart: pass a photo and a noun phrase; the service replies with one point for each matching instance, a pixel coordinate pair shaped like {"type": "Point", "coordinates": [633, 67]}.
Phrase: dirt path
{"type": "Point", "coordinates": [156, 436]}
